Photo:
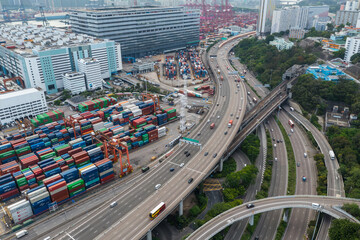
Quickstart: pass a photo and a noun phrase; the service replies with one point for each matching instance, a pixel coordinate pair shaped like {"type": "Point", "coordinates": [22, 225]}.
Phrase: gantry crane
{"type": "Point", "coordinates": [24, 125]}
{"type": "Point", "coordinates": [113, 146]}
{"type": "Point", "coordinates": [155, 98]}
{"type": "Point", "coordinates": [71, 122]}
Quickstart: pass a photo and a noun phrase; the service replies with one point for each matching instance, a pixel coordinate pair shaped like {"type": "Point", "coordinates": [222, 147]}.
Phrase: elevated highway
{"type": "Point", "coordinates": [325, 204]}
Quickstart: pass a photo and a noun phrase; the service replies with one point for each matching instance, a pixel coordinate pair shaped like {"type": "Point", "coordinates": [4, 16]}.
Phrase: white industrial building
{"type": "Point", "coordinates": [91, 68]}
{"type": "Point", "coordinates": [352, 46]}
{"type": "Point", "coordinates": [19, 104]}
{"type": "Point", "coordinates": [74, 82]}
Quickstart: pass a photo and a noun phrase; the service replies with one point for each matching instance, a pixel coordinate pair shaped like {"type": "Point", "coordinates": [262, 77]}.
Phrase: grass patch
{"type": "Point", "coordinates": [312, 139]}
{"type": "Point", "coordinates": [228, 167]}
{"type": "Point", "coordinates": [315, 121]}
{"type": "Point", "coordinates": [291, 161]}
{"type": "Point", "coordinates": [249, 231]}
{"type": "Point", "coordinates": [281, 230]}
{"type": "Point", "coordinates": [251, 147]}
{"type": "Point", "coordinates": [321, 174]}
{"type": "Point", "coordinates": [264, 191]}
{"type": "Point", "coordinates": [220, 235]}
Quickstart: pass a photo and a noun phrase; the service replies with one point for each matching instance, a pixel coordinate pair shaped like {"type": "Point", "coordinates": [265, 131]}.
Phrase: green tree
{"type": "Point", "coordinates": [269, 38]}
{"type": "Point", "coordinates": [330, 27]}
{"type": "Point", "coordinates": [340, 53]}
{"type": "Point", "coordinates": [194, 211]}
{"type": "Point", "coordinates": [355, 58]}
{"type": "Point", "coordinates": [344, 229]}
{"type": "Point", "coordinates": [57, 102]}
{"type": "Point", "coordinates": [353, 209]}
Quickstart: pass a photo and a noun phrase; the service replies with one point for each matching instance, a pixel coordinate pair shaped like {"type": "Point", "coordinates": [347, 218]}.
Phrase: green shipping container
{"type": "Point", "coordinates": [48, 144]}
{"type": "Point", "coordinates": [28, 222]}
{"type": "Point", "coordinates": [8, 153]}
{"type": "Point", "coordinates": [77, 191]}
{"type": "Point", "coordinates": [49, 155]}
{"type": "Point", "coordinates": [21, 150]}
{"type": "Point", "coordinates": [75, 184]}
{"type": "Point", "coordinates": [16, 228]}
{"type": "Point", "coordinates": [172, 118]}
{"type": "Point", "coordinates": [82, 164]}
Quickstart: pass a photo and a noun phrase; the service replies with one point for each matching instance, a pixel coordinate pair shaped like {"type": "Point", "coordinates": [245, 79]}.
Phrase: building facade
{"type": "Point", "coordinates": [296, 32]}
{"type": "Point", "coordinates": [352, 46]}
{"type": "Point", "coordinates": [265, 16]}
{"type": "Point", "coordinates": [19, 104]}
{"type": "Point", "coordinates": [284, 19]}
{"type": "Point", "coordinates": [40, 55]}
{"type": "Point", "coordinates": [351, 6]}
{"type": "Point", "coordinates": [281, 44]}
{"type": "Point", "coordinates": [74, 82]}
{"type": "Point", "coordinates": [141, 31]}
{"type": "Point", "coordinates": [91, 68]}
{"type": "Point", "coordinates": [344, 17]}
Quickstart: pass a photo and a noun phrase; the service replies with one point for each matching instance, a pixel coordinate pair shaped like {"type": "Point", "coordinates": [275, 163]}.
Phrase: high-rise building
{"type": "Point", "coordinates": [308, 15]}
{"type": "Point", "coordinates": [344, 17]}
{"type": "Point", "coordinates": [351, 6]}
{"type": "Point", "coordinates": [24, 103]}
{"type": "Point", "coordinates": [40, 55]}
{"type": "Point", "coordinates": [91, 68]}
{"type": "Point", "coordinates": [284, 19]}
{"type": "Point", "coordinates": [141, 31]}
{"type": "Point", "coordinates": [352, 46]}
{"type": "Point", "coordinates": [265, 16]}
{"type": "Point", "coordinates": [296, 32]}
{"type": "Point", "coordinates": [74, 82]}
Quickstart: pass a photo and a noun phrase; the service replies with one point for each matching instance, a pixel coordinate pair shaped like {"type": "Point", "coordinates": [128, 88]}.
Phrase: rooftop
{"type": "Point", "coordinates": [30, 39]}
{"type": "Point", "coordinates": [20, 93]}
{"type": "Point", "coordinates": [327, 73]}
{"type": "Point", "coordinates": [124, 9]}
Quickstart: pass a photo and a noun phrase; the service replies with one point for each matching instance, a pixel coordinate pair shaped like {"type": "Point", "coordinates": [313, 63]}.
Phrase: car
{"type": "Point", "coordinates": [208, 120]}
{"type": "Point", "coordinates": [292, 130]}
{"type": "Point", "coordinates": [206, 153]}
{"type": "Point", "coordinates": [237, 117]}
{"type": "Point", "coordinates": [275, 145]}
{"type": "Point", "coordinates": [225, 133]}
{"type": "Point", "coordinates": [278, 141]}
{"type": "Point", "coordinates": [190, 180]}
{"type": "Point", "coordinates": [182, 164]}
{"type": "Point", "coordinates": [305, 155]}
{"type": "Point", "coordinates": [273, 139]}
{"type": "Point", "coordinates": [172, 169]}
{"type": "Point", "coordinates": [218, 117]}
{"type": "Point", "coordinates": [217, 104]}
{"type": "Point", "coordinates": [113, 204]}
{"type": "Point", "coordinates": [281, 140]}
{"type": "Point", "coordinates": [275, 159]}
{"type": "Point", "coordinates": [239, 109]}
{"type": "Point", "coordinates": [215, 154]}
{"type": "Point", "coordinates": [250, 205]}
{"type": "Point", "coordinates": [231, 115]}
{"type": "Point", "coordinates": [298, 164]}
{"type": "Point", "coordinates": [272, 129]}
{"type": "Point", "coordinates": [188, 154]}
{"type": "Point", "coordinates": [199, 133]}
{"type": "Point", "coordinates": [256, 238]}
{"type": "Point", "coordinates": [224, 96]}
{"type": "Point", "coordinates": [47, 238]}
{"type": "Point", "coordinates": [157, 186]}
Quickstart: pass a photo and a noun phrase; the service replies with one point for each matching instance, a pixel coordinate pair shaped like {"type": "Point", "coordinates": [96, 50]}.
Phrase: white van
{"type": "Point", "coordinates": [291, 108]}
{"type": "Point", "coordinates": [21, 233]}
{"type": "Point", "coordinates": [113, 204]}
{"type": "Point", "coordinates": [157, 186]}
{"type": "Point", "coordinates": [315, 205]}
{"type": "Point", "coordinates": [305, 155]}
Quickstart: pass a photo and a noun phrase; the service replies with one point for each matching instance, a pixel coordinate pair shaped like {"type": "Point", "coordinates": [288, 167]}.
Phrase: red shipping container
{"type": "Point", "coordinates": [107, 178]}
{"type": "Point", "coordinates": [77, 188]}
{"type": "Point", "coordinates": [76, 150]}
{"type": "Point", "coordinates": [40, 177]}
{"type": "Point", "coordinates": [49, 180]}
{"type": "Point", "coordinates": [33, 185]}
{"type": "Point", "coordinates": [60, 197]}
{"type": "Point", "coordinates": [9, 193]}
{"type": "Point", "coordinates": [69, 161]}
{"type": "Point", "coordinates": [56, 186]}
{"type": "Point", "coordinates": [50, 167]}
{"type": "Point", "coordinates": [84, 159]}
{"type": "Point", "coordinates": [64, 168]}
{"type": "Point", "coordinates": [63, 151]}
{"type": "Point", "coordinates": [79, 155]}
{"type": "Point", "coordinates": [22, 188]}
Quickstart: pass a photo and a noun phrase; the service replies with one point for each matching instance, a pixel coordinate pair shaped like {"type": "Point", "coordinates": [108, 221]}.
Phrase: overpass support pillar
{"type": "Point", "coordinates": [221, 165]}
{"type": "Point", "coordinates": [251, 220]}
{"type": "Point", "coordinates": [148, 235]}
{"type": "Point", "coordinates": [181, 208]}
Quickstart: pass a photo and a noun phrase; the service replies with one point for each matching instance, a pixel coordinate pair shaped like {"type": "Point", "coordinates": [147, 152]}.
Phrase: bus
{"type": "Point", "coordinates": [291, 123]}
{"type": "Point", "coordinates": [157, 210]}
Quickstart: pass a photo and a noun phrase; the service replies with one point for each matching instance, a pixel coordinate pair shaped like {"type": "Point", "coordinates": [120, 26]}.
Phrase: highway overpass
{"type": "Point", "coordinates": [326, 204]}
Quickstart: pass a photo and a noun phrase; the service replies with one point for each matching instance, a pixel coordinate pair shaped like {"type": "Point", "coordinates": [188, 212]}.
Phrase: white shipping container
{"type": "Point", "coordinates": [108, 125]}
{"type": "Point", "coordinates": [39, 197]}
{"type": "Point", "coordinates": [22, 214]}
{"type": "Point", "coordinates": [95, 150]}
{"type": "Point", "coordinates": [71, 143]}
{"type": "Point", "coordinates": [162, 129]}
{"type": "Point", "coordinates": [37, 192]}
{"type": "Point", "coordinates": [136, 114]}
{"type": "Point", "coordinates": [148, 101]}
{"type": "Point", "coordinates": [59, 190]}
{"type": "Point", "coordinates": [32, 137]}
{"type": "Point", "coordinates": [98, 126]}
{"type": "Point", "coordinates": [107, 171]}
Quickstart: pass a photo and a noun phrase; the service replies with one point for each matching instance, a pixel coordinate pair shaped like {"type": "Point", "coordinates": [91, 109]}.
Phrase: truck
{"type": "Point", "coordinates": [291, 123]}
{"type": "Point", "coordinates": [332, 154]}
{"type": "Point", "coordinates": [21, 233]}
{"type": "Point", "coordinates": [212, 125]}
{"type": "Point", "coordinates": [230, 123]}
{"type": "Point", "coordinates": [222, 78]}
{"type": "Point", "coordinates": [254, 100]}
{"type": "Point", "coordinates": [218, 71]}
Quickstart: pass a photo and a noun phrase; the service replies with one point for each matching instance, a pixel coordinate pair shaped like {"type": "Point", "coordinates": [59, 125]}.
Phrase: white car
{"type": "Point", "coordinates": [275, 159]}
{"type": "Point", "coordinates": [157, 186]}
{"type": "Point", "coordinates": [291, 130]}
{"type": "Point", "coordinates": [218, 117]}
{"type": "Point", "coordinates": [182, 164]}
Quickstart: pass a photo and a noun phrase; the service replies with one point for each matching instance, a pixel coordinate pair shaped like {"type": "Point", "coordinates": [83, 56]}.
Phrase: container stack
{"type": "Point", "coordinates": [138, 123]}
{"type": "Point", "coordinates": [95, 154]}
{"type": "Point", "coordinates": [48, 117]}
{"type": "Point", "coordinates": [58, 191]}
{"type": "Point", "coordinates": [8, 188]}
{"type": "Point", "coordinates": [9, 167]}
{"type": "Point", "coordinates": [49, 167]}
{"type": "Point", "coordinates": [96, 104]}
{"type": "Point", "coordinates": [76, 187]}
{"type": "Point", "coordinates": [153, 135]}
{"type": "Point", "coordinates": [81, 158]}
{"type": "Point", "coordinates": [162, 118]}
{"type": "Point", "coordinates": [197, 65]}
{"type": "Point", "coordinates": [170, 68]}
{"type": "Point", "coordinates": [183, 64]}
{"type": "Point", "coordinates": [70, 175]}
{"type": "Point", "coordinates": [106, 171]}
{"type": "Point", "coordinates": [19, 211]}
{"type": "Point", "coordinates": [6, 152]}
{"type": "Point", "coordinates": [89, 173]}
{"type": "Point", "coordinates": [161, 132]}
{"type": "Point", "coordinates": [39, 199]}
{"type": "Point", "coordinates": [171, 113]}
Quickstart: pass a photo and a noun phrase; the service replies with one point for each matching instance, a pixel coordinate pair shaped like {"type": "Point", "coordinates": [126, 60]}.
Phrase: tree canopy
{"type": "Point", "coordinates": [355, 58]}
{"type": "Point", "coordinates": [344, 229]}
{"type": "Point", "coordinates": [251, 147]}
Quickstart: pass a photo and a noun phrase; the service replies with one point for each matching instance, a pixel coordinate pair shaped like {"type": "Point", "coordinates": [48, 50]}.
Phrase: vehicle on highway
{"type": "Point", "coordinates": [275, 145]}
{"type": "Point", "coordinates": [278, 141]}
{"type": "Point", "coordinates": [218, 117]}
{"type": "Point", "coordinates": [237, 117]}
{"type": "Point", "coordinates": [248, 93]}
{"type": "Point", "coordinates": [157, 210]}
{"type": "Point", "coordinates": [199, 133]}
{"type": "Point", "coordinates": [215, 154]}
{"type": "Point", "coordinates": [291, 108]}
{"type": "Point", "coordinates": [305, 155]}
{"type": "Point", "coordinates": [272, 129]}
{"type": "Point", "coordinates": [113, 204]}
{"type": "Point", "coordinates": [212, 125]}
{"type": "Point", "coordinates": [291, 130]}
{"type": "Point", "coordinates": [315, 205]}
{"type": "Point", "coordinates": [273, 139]}
{"type": "Point", "coordinates": [190, 180]}
{"type": "Point", "coordinates": [256, 238]}
{"type": "Point", "coordinates": [254, 100]}
{"type": "Point", "coordinates": [222, 78]}
{"type": "Point", "coordinates": [145, 169]}
{"type": "Point", "coordinates": [332, 154]}
{"type": "Point", "coordinates": [298, 164]}
{"type": "Point", "coordinates": [228, 68]}
{"type": "Point", "coordinates": [304, 179]}
{"type": "Point", "coordinates": [250, 205]}
{"type": "Point", "coordinates": [225, 133]}
{"type": "Point", "coordinates": [21, 233]}
{"type": "Point", "coordinates": [217, 104]}
{"type": "Point", "coordinates": [172, 169]}
{"type": "Point", "coordinates": [182, 164]}
{"type": "Point", "coordinates": [231, 114]}
{"type": "Point", "coordinates": [230, 123]}
{"type": "Point", "coordinates": [206, 153]}
{"type": "Point", "coordinates": [188, 154]}
{"type": "Point", "coordinates": [291, 123]}
{"type": "Point", "coordinates": [157, 186]}
{"type": "Point", "coordinates": [275, 159]}
{"type": "Point", "coordinates": [47, 238]}
{"type": "Point", "coordinates": [208, 120]}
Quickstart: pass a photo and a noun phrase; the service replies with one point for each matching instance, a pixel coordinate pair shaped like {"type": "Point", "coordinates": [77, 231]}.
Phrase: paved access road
{"type": "Point", "coordinates": [324, 204]}
{"type": "Point", "coordinates": [299, 218]}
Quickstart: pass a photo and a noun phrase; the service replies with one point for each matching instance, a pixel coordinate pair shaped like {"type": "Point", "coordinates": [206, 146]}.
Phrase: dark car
{"type": "Point", "coordinates": [190, 180]}
{"type": "Point", "coordinates": [215, 154]}
{"type": "Point", "coordinates": [250, 205]}
{"type": "Point", "coordinates": [188, 154]}
{"type": "Point", "coordinates": [225, 133]}
{"type": "Point", "coordinates": [206, 153]}
{"type": "Point", "coordinates": [172, 169]}
{"type": "Point", "coordinates": [278, 141]}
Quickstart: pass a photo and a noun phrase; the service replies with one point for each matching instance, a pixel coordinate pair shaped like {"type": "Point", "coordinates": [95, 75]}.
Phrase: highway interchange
{"type": "Point", "coordinates": [135, 200]}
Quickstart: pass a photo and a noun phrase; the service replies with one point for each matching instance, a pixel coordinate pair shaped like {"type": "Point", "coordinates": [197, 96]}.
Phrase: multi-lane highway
{"type": "Point", "coordinates": [325, 204]}
{"type": "Point", "coordinates": [299, 219]}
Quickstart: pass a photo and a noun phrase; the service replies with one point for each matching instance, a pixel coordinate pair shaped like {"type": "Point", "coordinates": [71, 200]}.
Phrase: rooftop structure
{"type": "Point", "coordinates": [40, 55]}
{"type": "Point", "coordinates": [91, 68]}
{"type": "Point", "coordinates": [141, 30]}
{"type": "Point", "coordinates": [281, 43]}
{"type": "Point", "coordinates": [19, 104]}
{"type": "Point", "coordinates": [327, 73]}
{"type": "Point", "coordinates": [74, 82]}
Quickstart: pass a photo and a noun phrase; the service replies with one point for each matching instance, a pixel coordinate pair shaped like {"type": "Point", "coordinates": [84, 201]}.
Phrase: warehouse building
{"type": "Point", "coordinates": [41, 55]}
{"type": "Point", "coordinates": [19, 104]}
{"type": "Point", "coordinates": [141, 31]}
{"type": "Point", "coordinates": [74, 82]}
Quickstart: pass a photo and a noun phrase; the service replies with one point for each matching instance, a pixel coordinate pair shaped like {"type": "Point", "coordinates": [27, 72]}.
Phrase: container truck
{"type": "Point", "coordinates": [230, 123]}
{"type": "Point", "coordinates": [332, 154]}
